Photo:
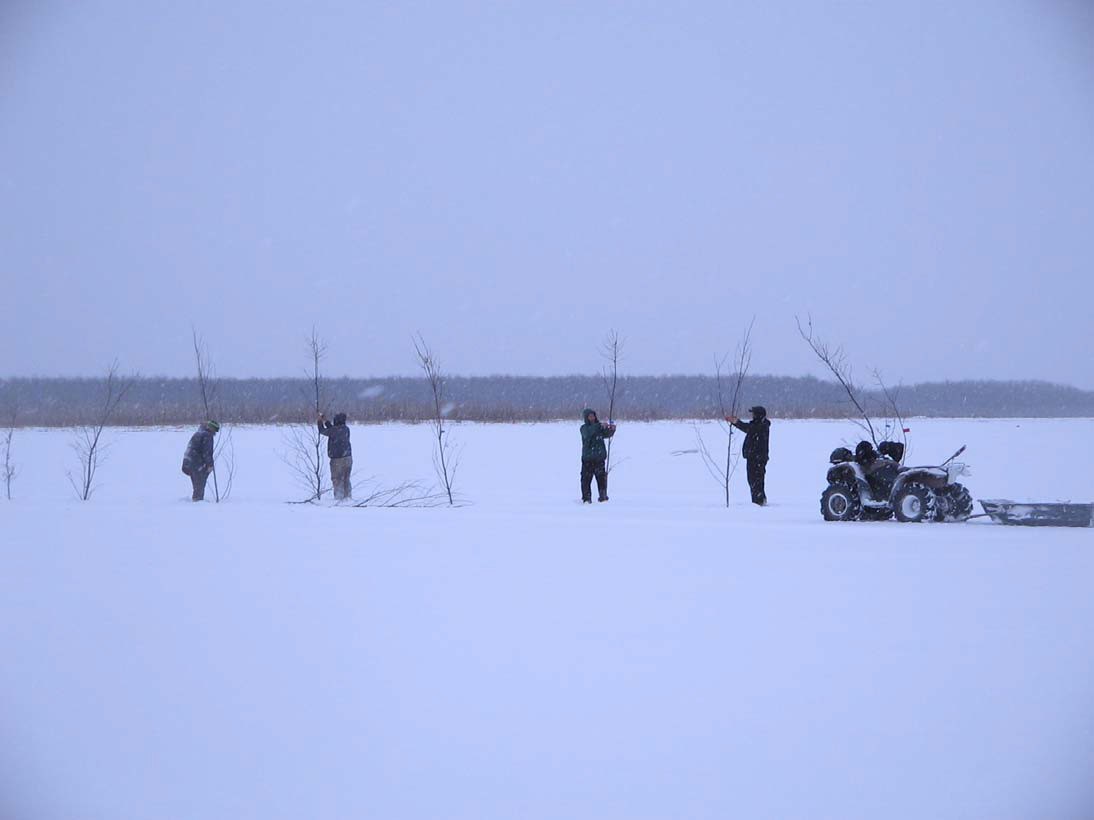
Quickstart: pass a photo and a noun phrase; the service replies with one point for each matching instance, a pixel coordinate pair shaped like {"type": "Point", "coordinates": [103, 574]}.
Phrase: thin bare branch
{"type": "Point", "coordinates": [88, 439]}
{"type": "Point", "coordinates": [727, 385]}
{"type": "Point", "coordinates": [712, 465]}
{"type": "Point", "coordinates": [207, 381]}
{"type": "Point", "coordinates": [611, 350]}
{"type": "Point", "coordinates": [742, 362]}
{"type": "Point", "coordinates": [303, 460]}
{"type": "Point", "coordinates": [835, 359]}
{"type": "Point", "coordinates": [304, 453]}
{"type": "Point", "coordinates": [445, 456]}
{"type": "Point", "coordinates": [897, 418]}
{"type": "Point", "coordinates": [209, 391]}
{"type": "Point", "coordinates": [9, 470]}
{"type": "Point", "coordinates": [407, 494]}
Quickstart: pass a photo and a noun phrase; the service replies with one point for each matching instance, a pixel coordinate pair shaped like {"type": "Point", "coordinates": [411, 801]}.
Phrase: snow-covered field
{"type": "Point", "coordinates": [527, 657]}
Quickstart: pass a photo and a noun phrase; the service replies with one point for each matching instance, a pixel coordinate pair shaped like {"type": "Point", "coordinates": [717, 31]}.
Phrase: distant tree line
{"type": "Point", "coordinates": [64, 402]}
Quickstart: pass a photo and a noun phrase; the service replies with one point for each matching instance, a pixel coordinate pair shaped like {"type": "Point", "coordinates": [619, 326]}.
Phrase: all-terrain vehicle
{"type": "Point", "coordinates": [872, 485]}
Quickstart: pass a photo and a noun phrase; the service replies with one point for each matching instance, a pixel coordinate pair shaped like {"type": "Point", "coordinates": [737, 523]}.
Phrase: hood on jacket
{"type": "Point", "coordinates": [339, 418]}
{"type": "Point", "coordinates": [585, 415]}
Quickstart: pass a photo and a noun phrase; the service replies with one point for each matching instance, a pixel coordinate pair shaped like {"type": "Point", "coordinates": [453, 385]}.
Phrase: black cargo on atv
{"type": "Point", "coordinates": [872, 485]}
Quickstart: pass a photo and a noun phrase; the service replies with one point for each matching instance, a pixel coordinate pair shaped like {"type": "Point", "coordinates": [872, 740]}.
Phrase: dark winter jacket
{"type": "Point", "coordinates": [337, 439]}
{"type": "Point", "coordinates": [756, 436]}
{"type": "Point", "coordinates": [199, 452]}
{"type": "Point", "coordinates": [592, 438]}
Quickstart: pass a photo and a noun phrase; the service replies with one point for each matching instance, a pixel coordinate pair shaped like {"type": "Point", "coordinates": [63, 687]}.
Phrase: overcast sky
{"type": "Point", "coordinates": [513, 179]}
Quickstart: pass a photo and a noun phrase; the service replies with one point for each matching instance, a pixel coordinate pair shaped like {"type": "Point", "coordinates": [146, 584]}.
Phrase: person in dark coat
{"type": "Point", "coordinates": [755, 450]}
{"type": "Point", "coordinates": [198, 460]}
{"type": "Point", "coordinates": [340, 454]}
{"type": "Point", "coordinates": [594, 455]}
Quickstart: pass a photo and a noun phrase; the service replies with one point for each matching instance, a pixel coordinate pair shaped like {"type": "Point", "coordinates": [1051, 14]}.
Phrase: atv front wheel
{"type": "Point", "coordinates": [915, 503]}
{"type": "Point", "coordinates": [840, 503]}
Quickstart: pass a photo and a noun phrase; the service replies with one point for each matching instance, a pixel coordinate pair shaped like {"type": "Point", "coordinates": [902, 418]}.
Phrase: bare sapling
{"type": "Point", "coordinates": [445, 456]}
{"type": "Point", "coordinates": [9, 470]}
{"type": "Point", "coordinates": [728, 389]}
{"type": "Point", "coordinates": [305, 456]}
{"type": "Point", "coordinates": [895, 424]}
{"type": "Point", "coordinates": [209, 392]}
{"type": "Point", "coordinates": [88, 441]}
{"type": "Point", "coordinates": [611, 349]}
{"type": "Point", "coordinates": [835, 360]}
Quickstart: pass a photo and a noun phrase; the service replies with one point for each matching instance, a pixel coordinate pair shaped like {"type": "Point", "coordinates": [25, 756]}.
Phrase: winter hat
{"type": "Point", "coordinates": [213, 426]}
{"type": "Point", "coordinates": [339, 418]}
{"type": "Point", "coordinates": [758, 411]}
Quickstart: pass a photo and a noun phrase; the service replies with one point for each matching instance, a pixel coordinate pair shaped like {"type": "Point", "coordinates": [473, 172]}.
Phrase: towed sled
{"type": "Point", "coordinates": [1030, 514]}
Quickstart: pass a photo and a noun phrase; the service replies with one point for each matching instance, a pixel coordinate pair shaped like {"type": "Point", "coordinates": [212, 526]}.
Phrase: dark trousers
{"type": "Point", "coordinates": [588, 470]}
{"type": "Point", "coordinates": [198, 479]}
{"type": "Point", "coordinates": [757, 472]}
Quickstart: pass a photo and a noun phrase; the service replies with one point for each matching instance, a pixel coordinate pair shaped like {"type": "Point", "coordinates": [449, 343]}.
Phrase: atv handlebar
{"type": "Point", "coordinates": [955, 455]}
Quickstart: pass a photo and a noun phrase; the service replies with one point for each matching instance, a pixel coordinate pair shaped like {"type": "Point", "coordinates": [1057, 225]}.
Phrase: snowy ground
{"type": "Point", "coordinates": [527, 657]}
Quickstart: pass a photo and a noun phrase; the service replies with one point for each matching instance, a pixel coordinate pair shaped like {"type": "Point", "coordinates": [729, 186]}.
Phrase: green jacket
{"type": "Point", "coordinates": [592, 438]}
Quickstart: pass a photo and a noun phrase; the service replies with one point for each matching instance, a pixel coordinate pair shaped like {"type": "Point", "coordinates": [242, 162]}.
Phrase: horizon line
{"type": "Point", "coordinates": [162, 377]}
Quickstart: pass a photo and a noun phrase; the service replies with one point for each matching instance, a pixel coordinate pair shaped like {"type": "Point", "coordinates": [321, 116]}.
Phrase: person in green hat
{"type": "Point", "coordinates": [594, 454]}
{"type": "Point", "coordinates": [198, 460]}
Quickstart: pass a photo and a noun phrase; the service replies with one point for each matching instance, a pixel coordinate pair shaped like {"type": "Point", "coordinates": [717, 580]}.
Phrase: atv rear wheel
{"type": "Point", "coordinates": [954, 503]}
{"type": "Point", "coordinates": [840, 502]}
{"type": "Point", "coordinates": [915, 503]}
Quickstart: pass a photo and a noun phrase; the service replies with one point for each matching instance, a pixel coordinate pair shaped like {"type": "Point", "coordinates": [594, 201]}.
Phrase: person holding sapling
{"type": "Point", "coordinates": [755, 450]}
{"type": "Point", "coordinates": [340, 454]}
{"type": "Point", "coordinates": [594, 455]}
{"type": "Point", "coordinates": [198, 460]}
